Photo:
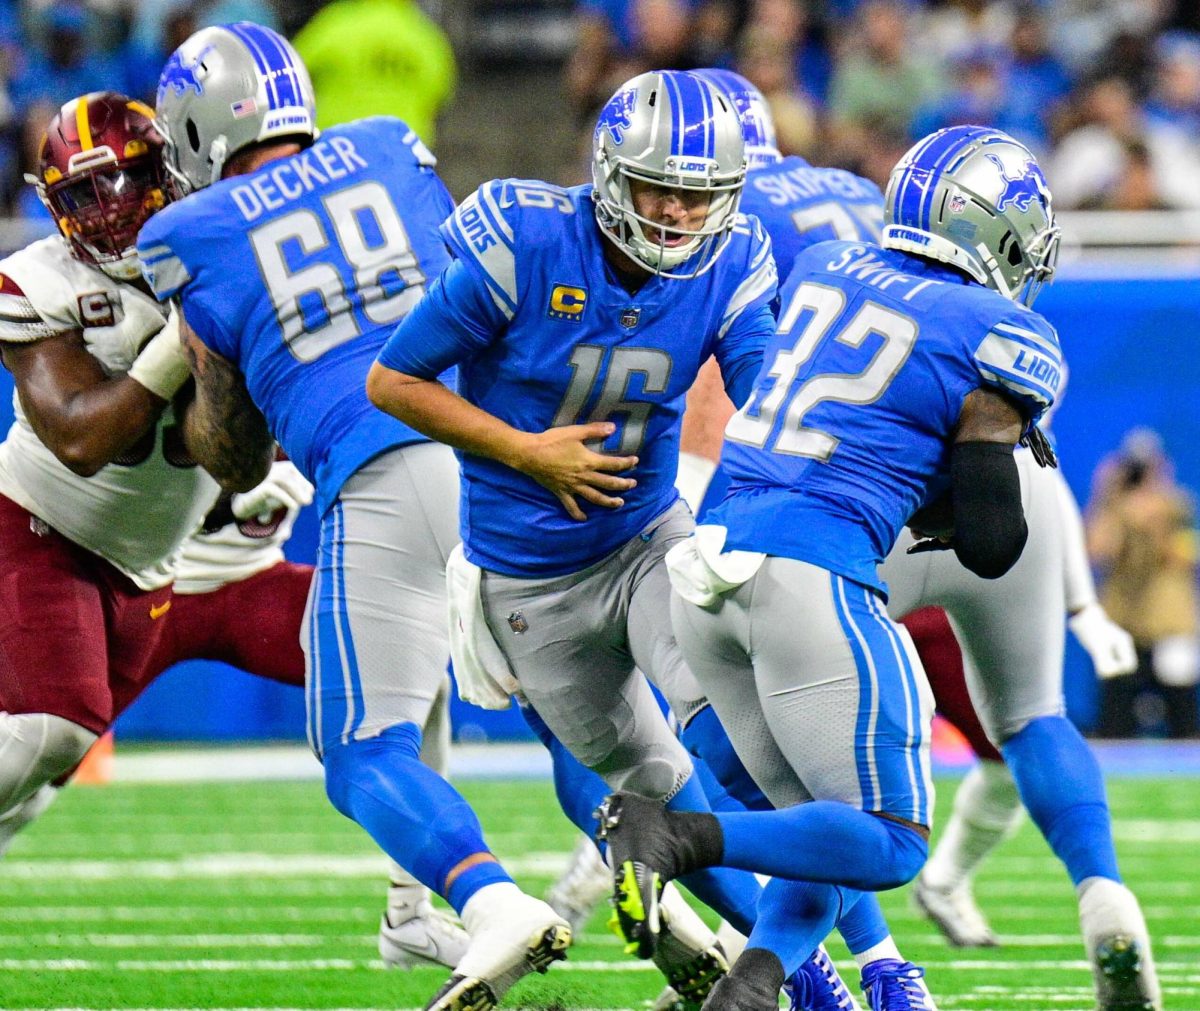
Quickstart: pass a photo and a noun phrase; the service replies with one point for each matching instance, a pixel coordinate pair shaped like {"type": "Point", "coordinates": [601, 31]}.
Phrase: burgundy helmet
{"type": "Point", "coordinates": [100, 172]}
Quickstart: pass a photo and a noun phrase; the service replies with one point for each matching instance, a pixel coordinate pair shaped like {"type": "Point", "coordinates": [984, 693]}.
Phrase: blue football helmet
{"type": "Point", "coordinates": [974, 197]}
{"type": "Point", "coordinates": [668, 128]}
{"type": "Point", "coordinates": [758, 127]}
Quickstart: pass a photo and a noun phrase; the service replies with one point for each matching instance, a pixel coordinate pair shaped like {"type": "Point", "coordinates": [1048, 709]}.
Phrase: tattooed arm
{"type": "Point", "coordinates": [223, 429]}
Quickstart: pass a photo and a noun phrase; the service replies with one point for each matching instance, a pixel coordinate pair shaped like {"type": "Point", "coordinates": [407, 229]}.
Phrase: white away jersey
{"type": "Point", "coordinates": [134, 512]}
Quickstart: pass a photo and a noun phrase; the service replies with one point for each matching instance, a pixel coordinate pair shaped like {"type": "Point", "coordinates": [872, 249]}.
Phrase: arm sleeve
{"type": "Point", "coordinates": [740, 354]}
{"type": "Point", "coordinates": [989, 521]}
{"type": "Point", "coordinates": [1080, 589]}
{"type": "Point", "coordinates": [455, 320]}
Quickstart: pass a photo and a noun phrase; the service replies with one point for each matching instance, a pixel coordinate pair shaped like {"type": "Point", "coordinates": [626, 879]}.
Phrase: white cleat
{"type": "Point", "coordinates": [585, 883]}
{"type": "Point", "coordinates": [417, 934]}
{"type": "Point", "coordinates": [1118, 946]}
{"type": "Point", "coordinates": [954, 912]}
{"type": "Point", "coordinates": [688, 955]}
{"type": "Point", "coordinates": [512, 934]}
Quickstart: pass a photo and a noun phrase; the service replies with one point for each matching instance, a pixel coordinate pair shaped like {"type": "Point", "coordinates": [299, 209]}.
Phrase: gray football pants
{"type": "Point", "coordinates": [375, 638]}
{"type": "Point", "coordinates": [1011, 629]}
{"type": "Point", "coordinates": [578, 644]}
{"type": "Point", "coordinates": [823, 695]}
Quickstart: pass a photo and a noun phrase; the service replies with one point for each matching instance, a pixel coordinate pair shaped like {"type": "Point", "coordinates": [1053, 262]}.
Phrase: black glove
{"type": "Point", "coordinates": [1040, 447]}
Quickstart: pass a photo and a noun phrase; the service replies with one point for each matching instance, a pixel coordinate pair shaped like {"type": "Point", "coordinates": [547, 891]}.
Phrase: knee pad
{"type": "Point", "coordinates": [655, 776]}
{"type": "Point", "coordinates": [348, 764]}
{"type": "Point", "coordinates": [36, 748]}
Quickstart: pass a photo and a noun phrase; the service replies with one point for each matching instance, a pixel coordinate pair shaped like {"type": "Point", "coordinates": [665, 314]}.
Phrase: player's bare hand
{"type": "Point", "coordinates": [560, 460]}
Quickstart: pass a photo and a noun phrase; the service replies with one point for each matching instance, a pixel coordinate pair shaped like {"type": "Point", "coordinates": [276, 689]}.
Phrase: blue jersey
{"type": "Point", "coordinates": [544, 335]}
{"type": "Point", "coordinates": [849, 428]}
{"type": "Point", "coordinates": [297, 274]}
{"type": "Point", "coordinates": [800, 205]}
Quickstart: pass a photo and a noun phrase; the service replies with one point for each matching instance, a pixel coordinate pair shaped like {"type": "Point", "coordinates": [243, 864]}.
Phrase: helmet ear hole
{"type": "Point", "coordinates": [193, 135]}
{"type": "Point", "coordinates": [1014, 255]}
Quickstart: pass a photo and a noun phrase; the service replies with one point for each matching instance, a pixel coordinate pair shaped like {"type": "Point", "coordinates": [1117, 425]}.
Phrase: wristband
{"type": "Point", "coordinates": [162, 366]}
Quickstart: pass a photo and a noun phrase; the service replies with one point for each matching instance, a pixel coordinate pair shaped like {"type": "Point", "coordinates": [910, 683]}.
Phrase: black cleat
{"type": "Point", "coordinates": [736, 993]}
{"type": "Point", "coordinates": [1122, 984]}
{"type": "Point", "coordinates": [642, 851]}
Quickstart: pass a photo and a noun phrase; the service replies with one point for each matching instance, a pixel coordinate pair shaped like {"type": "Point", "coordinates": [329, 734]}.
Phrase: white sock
{"type": "Point", "coordinates": [1107, 907]}
{"type": "Point", "coordinates": [490, 903]}
{"type": "Point", "coordinates": [732, 941]}
{"type": "Point", "coordinates": [884, 949]}
{"type": "Point", "coordinates": [987, 809]}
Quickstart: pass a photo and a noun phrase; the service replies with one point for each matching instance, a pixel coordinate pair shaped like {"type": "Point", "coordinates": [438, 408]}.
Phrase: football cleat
{"type": "Point", "coordinates": [739, 993]}
{"type": "Point", "coordinates": [893, 985]}
{"type": "Point", "coordinates": [641, 847]}
{"type": "Point", "coordinates": [583, 885]}
{"type": "Point", "coordinates": [530, 939]}
{"type": "Point", "coordinates": [417, 934]}
{"type": "Point", "coordinates": [1122, 984]}
{"type": "Point", "coordinates": [688, 954]}
{"type": "Point", "coordinates": [816, 986]}
{"type": "Point", "coordinates": [1118, 946]}
{"type": "Point", "coordinates": [955, 913]}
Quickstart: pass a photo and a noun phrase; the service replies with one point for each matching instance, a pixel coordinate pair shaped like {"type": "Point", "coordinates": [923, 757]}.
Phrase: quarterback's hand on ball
{"type": "Point", "coordinates": [560, 460]}
{"type": "Point", "coordinates": [1107, 643]}
{"type": "Point", "coordinates": [284, 488]}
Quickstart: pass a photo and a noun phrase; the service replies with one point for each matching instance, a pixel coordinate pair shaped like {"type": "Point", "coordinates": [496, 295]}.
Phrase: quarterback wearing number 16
{"type": "Point", "coordinates": [578, 319]}
{"type": "Point", "coordinates": [292, 256]}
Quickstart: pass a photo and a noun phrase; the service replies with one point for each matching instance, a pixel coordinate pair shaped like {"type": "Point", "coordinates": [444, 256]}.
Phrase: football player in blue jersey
{"type": "Point", "coordinates": [292, 257]}
{"type": "Point", "coordinates": [856, 423]}
{"type": "Point", "coordinates": [1011, 630]}
{"type": "Point", "coordinates": [578, 319]}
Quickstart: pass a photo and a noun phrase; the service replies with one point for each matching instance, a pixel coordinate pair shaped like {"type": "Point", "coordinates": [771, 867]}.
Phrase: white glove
{"type": "Point", "coordinates": [283, 488]}
{"type": "Point", "coordinates": [1107, 643]}
{"type": "Point", "coordinates": [162, 366]}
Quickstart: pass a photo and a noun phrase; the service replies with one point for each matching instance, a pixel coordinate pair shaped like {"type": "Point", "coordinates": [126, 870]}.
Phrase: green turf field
{"type": "Point", "coordinates": [261, 896]}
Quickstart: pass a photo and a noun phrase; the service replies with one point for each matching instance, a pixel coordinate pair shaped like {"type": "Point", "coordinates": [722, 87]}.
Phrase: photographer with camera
{"type": "Point", "coordinates": [1141, 536]}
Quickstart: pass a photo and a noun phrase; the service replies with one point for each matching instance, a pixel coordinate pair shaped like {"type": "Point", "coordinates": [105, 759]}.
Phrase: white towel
{"type": "Point", "coordinates": [701, 573]}
{"type": "Point", "coordinates": [480, 668]}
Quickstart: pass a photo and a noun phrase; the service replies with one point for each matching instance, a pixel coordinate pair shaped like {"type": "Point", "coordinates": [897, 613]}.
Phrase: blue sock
{"type": "Point", "coordinates": [415, 816]}
{"type": "Point", "coordinates": [1060, 784]}
{"type": "Point", "coordinates": [734, 894]}
{"type": "Point", "coordinates": [579, 790]}
{"type": "Point", "coordinates": [705, 738]}
{"type": "Point", "coordinates": [825, 841]}
{"type": "Point", "coordinates": [793, 918]}
{"type": "Point", "coordinates": [862, 925]}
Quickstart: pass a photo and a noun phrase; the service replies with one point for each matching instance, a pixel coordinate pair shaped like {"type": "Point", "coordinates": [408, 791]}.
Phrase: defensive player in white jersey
{"type": "Point", "coordinates": [96, 490]}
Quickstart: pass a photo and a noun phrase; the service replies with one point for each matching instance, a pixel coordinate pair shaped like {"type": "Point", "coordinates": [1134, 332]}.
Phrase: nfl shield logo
{"type": "Point", "coordinates": [517, 622]}
{"type": "Point", "coordinates": [957, 203]}
{"type": "Point", "coordinates": [630, 317]}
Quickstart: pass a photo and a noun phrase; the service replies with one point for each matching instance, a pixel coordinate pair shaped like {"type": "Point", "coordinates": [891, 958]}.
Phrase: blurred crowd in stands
{"type": "Point", "coordinates": [1106, 91]}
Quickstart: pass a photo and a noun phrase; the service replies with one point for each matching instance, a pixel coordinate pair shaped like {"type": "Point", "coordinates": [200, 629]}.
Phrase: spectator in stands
{"type": "Point", "coordinates": [1176, 96]}
{"type": "Point", "coordinates": [63, 62]}
{"type": "Point", "coordinates": [618, 39]}
{"type": "Point", "coordinates": [1082, 30]}
{"type": "Point", "coordinates": [1140, 534]}
{"type": "Point", "coordinates": [1036, 81]}
{"type": "Point", "coordinates": [1091, 164]}
{"type": "Point", "coordinates": [976, 95]}
{"type": "Point", "coordinates": [790, 23]}
{"type": "Point", "coordinates": [768, 60]}
{"type": "Point", "coordinates": [957, 27]}
{"type": "Point", "coordinates": [378, 57]}
{"type": "Point", "coordinates": [884, 78]}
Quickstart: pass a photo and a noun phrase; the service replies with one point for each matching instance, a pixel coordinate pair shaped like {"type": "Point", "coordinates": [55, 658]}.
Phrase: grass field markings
{"type": "Point", "coordinates": [258, 865]}
{"type": "Point", "coordinates": [58, 939]}
{"type": "Point", "coordinates": [138, 914]}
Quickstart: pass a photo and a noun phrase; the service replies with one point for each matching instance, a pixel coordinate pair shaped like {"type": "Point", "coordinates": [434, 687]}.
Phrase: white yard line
{"type": "Point", "coordinates": [256, 865]}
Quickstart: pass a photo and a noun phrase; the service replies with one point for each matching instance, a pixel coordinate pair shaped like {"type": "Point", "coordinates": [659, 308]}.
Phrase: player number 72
{"type": "Point", "coordinates": [755, 422]}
